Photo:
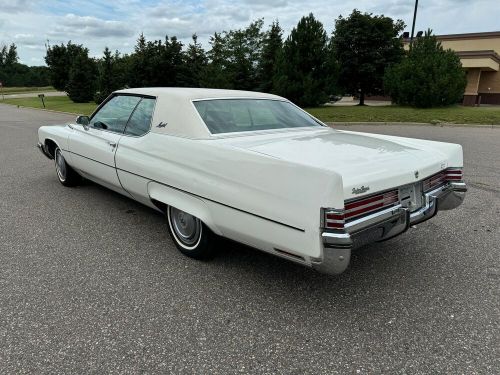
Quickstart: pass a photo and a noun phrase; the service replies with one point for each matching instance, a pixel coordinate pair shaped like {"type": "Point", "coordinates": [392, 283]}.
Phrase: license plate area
{"type": "Point", "coordinates": [411, 196]}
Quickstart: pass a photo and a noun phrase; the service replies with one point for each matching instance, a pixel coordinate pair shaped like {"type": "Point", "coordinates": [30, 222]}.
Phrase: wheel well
{"type": "Point", "coordinates": [163, 196]}
{"type": "Point", "coordinates": [50, 146]}
{"type": "Point", "coordinates": [160, 205]}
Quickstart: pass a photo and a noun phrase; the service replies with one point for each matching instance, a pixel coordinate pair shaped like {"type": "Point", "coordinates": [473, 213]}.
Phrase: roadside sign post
{"type": "Point", "coordinates": [42, 96]}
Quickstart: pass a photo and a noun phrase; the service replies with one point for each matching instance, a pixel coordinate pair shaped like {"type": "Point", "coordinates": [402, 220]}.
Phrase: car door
{"type": "Point", "coordinates": [93, 146]}
{"type": "Point", "coordinates": [134, 156]}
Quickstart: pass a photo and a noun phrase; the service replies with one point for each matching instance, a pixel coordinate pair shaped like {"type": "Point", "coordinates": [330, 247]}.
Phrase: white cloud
{"type": "Point", "coordinates": [116, 24]}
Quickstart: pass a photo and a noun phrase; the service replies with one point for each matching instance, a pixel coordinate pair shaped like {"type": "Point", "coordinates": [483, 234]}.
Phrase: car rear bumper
{"type": "Point", "coordinates": [383, 225]}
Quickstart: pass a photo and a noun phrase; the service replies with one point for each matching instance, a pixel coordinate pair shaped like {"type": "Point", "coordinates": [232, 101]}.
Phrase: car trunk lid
{"type": "Point", "coordinates": [367, 162]}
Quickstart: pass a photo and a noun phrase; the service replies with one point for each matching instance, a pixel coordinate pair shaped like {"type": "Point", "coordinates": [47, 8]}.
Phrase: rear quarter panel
{"type": "Point", "coordinates": [255, 199]}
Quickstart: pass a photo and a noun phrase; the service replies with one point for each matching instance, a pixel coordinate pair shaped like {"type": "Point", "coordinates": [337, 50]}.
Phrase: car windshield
{"type": "Point", "coordinates": [242, 115]}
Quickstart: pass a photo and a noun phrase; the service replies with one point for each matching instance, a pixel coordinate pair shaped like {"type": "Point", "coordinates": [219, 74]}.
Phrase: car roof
{"type": "Point", "coordinates": [175, 113]}
{"type": "Point", "coordinates": [197, 93]}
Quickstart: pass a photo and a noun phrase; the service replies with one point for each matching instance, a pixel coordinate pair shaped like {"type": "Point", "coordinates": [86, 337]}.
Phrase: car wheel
{"type": "Point", "coordinates": [66, 175]}
{"type": "Point", "coordinates": [191, 236]}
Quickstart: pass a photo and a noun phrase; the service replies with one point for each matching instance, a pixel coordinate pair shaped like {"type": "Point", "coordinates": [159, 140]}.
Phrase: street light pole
{"type": "Point", "coordinates": [413, 26]}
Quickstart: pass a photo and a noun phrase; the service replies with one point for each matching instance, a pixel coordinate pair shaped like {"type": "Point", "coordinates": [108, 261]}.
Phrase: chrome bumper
{"type": "Point", "coordinates": [42, 149]}
{"type": "Point", "coordinates": [383, 225]}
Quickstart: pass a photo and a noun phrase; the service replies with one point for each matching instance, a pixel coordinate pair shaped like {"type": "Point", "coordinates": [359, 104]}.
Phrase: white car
{"type": "Point", "coordinates": [257, 169]}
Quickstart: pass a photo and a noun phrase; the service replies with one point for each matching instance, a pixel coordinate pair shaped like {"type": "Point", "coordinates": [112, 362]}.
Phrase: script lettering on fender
{"type": "Point", "coordinates": [360, 190]}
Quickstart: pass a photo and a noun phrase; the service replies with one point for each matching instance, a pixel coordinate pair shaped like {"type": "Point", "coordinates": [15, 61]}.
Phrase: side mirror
{"type": "Point", "coordinates": [83, 120]}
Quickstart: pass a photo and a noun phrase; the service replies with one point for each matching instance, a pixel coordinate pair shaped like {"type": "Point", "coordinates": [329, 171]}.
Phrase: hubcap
{"type": "Point", "coordinates": [187, 228]}
{"type": "Point", "coordinates": [60, 166]}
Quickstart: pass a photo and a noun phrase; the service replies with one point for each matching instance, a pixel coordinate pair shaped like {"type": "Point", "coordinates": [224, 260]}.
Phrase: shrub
{"type": "Point", "coordinates": [428, 77]}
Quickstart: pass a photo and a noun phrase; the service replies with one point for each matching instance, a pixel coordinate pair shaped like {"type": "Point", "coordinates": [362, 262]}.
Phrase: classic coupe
{"type": "Point", "coordinates": [257, 169]}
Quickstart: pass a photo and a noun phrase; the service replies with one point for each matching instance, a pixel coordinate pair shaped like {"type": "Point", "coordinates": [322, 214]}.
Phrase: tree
{"type": "Point", "coordinates": [244, 50]}
{"type": "Point", "coordinates": [13, 73]}
{"type": "Point", "coordinates": [271, 48]}
{"type": "Point", "coordinates": [171, 63]}
{"type": "Point", "coordinates": [11, 57]}
{"type": "Point", "coordinates": [195, 63]}
{"type": "Point", "coordinates": [81, 78]}
{"type": "Point", "coordinates": [234, 58]}
{"type": "Point", "coordinates": [428, 77]}
{"type": "Point", "coordinates": [157, 63]}
{"type": "Point", "coordinates": [217, 74]}
{"type": "Point", "coordinates": [3, 54]}
{"type": "Point", "coordinates": [59, 59]}
{"type": "Point", "coordinates": [106, 80]}
{"type": "Point", "coordinates": [140, 59]}
{"type": "Point", "coordinates": [301, 70]}
{"type": "Point", "coordinates": [364, 45]}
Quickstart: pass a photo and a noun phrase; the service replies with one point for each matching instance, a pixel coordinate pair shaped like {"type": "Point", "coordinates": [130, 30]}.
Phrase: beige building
{"type": "Point", "coordinates": [480, 57]}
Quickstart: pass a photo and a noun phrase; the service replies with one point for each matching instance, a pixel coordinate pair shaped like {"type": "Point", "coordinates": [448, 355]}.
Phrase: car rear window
{"type": "Point", "coordinates": [242, 115]}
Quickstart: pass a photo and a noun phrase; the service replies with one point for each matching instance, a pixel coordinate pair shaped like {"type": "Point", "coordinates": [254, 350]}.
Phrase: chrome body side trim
{"type": "Point", "coordinates": [383, 225]}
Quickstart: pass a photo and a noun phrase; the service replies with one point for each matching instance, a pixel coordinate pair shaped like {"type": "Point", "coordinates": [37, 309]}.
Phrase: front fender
{"type": "Point", "coordinates": [58, 134]}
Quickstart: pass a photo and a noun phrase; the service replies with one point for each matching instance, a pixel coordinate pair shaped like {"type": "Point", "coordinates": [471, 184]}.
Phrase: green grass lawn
{"type": "Point", "coordinates": [56, 103]}
{"type": "Point", "coordinates": [454, 114]}
{"type": "Point", "coordinates": [25, 90]}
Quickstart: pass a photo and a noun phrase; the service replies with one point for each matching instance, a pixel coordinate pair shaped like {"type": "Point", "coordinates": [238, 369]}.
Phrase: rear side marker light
{"type": "Point", "coordinates": [452, 174]}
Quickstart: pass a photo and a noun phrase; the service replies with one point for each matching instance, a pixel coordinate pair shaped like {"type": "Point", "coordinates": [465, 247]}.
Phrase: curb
{"type": "Point", "coordinates": [40, 109]}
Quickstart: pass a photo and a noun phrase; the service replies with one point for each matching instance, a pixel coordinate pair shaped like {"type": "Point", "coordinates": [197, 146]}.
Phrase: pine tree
{"type": "Point", "coordinates": [217, 74]}
{"type": "Point", "coordinates": [106, 82]}
{"type": "Point", "coordinates": [139, 76]}
{"type": "Point", "coordinates": [11, 56]}
{"type": "Point", "coordinates": [195, 62]}
{"type": "Point", "coordinates": [271, 48]}
{"type": "Point", "coordinates": [3, 54]}
{"type": "Point", "coordinates": [81, 78]}
{"type": "Point", "coordinates": [301, 69]}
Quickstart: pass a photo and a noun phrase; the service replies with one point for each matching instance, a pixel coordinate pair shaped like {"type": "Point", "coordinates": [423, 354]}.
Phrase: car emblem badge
{"type": "Point", "coordinates": [360, 190]}
{"type": "Point", "coordinates": [416, 174]}
{"type": "Point", "coordinates": [161, 124]}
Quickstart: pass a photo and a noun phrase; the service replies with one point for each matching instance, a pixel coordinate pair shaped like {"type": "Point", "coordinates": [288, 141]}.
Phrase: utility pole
{"type": "Point", "coordinates": [413, 26]}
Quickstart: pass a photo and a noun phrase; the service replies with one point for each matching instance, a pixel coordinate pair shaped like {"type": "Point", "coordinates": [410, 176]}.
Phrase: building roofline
{"type": "Point", "coordinates": [482, 35]}
{"type": "Point", "coordinates": [479, 54]}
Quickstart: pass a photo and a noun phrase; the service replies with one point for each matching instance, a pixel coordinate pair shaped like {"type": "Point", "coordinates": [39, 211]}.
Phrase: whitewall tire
{"type": "Point", "coordinates": [65, 174]}
{"type": "Point", "coordinates": [190, 235]}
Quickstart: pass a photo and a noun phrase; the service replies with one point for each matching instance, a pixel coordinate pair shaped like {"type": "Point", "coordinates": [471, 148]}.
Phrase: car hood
{"type": "Point", "coordinates": [375, 161]}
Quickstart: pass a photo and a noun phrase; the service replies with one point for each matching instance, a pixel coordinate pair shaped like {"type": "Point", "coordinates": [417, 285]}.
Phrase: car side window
{"type": "Point", "coordinates": [113, 115]}
{"type": "Point", "coordinates": [140, 121]}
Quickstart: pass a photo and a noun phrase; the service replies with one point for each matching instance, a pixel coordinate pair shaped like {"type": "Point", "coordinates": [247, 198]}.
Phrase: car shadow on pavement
{"type": "Point", "coordinates": [373, 267]}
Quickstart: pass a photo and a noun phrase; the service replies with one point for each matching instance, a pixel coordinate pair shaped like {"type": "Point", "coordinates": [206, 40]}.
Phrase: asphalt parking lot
{"type": "Point", "coordinates": [91, 283]}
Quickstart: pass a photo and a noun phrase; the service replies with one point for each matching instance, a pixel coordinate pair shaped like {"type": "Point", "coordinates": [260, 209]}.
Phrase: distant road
{"type": "Point", "coordinates": [34, 94]}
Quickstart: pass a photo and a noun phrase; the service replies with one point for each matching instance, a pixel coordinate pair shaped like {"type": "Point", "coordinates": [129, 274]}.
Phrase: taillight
{"type": "Point", "coordinates": [452, 174]}
{"type": "Point", "coordinates": [367, 205]}
{"type": "Point", "coordinates": [334, 219]}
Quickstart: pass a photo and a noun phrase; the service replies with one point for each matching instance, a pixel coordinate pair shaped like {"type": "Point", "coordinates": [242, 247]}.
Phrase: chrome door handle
{"type": "Point", "coordinates": [112, 144]}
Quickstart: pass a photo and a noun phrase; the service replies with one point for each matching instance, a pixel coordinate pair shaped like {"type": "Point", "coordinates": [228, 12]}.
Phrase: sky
{"type": "Point", "coordinates": [30, 24]}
